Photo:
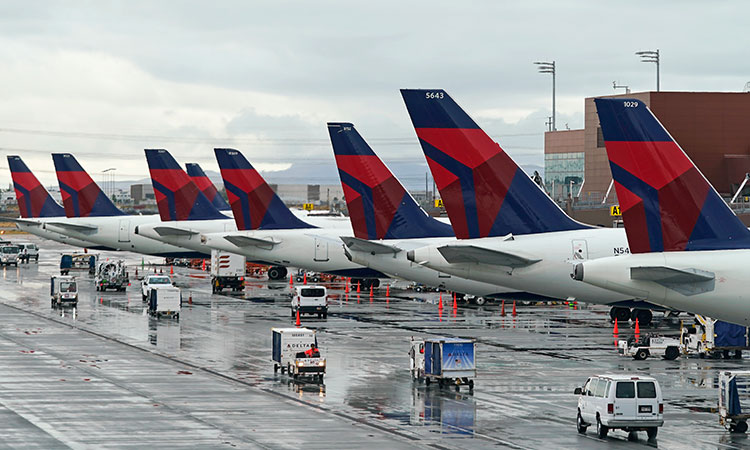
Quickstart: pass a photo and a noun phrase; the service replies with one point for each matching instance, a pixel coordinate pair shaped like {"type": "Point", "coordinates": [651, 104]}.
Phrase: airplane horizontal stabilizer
{"type": "Point", "coordinates": [74, 227]}
{"type": "Point", "coordinates": [363, 245]}
{"type": "Point", "coordinates": [472, 254]}
{"type": "Point", "coordinates": [247, 241]}
{"type": "Point", "coordinates": [174, 231]}
{"type": "Point", "coordinates": [685, 281]}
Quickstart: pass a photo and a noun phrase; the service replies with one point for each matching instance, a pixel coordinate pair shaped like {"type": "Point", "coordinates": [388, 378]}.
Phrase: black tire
{"type": "Point", "coordinates": [580, 426]}
{"type": "Point", "coordinates": [275, 368]}
{"type": "Point", "coordinates": [480, 301]}
{"type": "Point", "coordinates": [644, 316]}
{"type": "Point", "coordinates": [320, 377]}
{"type": "Point", "coordinates": [471, 385]}
{"type": "Point", "coordinates": [293, 313]}
{"type": "Point", "coordinates": [671, 353]}
{"type": "Point", "coordinates": [738, 354]}
{"type": "Point", "coordinates": [458, 388]}
{"type": "Point", "coordinates": [601, 430]}
{"type": "Point", "coordinates": [652, 432]}
{"type": "Point", "coordinates": [427, 381]}
{"type": "Point", "coordinates": [274, 273]}
{"type": "Point", "coordinates": [325, 315]}
{"type": "Point", "coordinates": [622, 314]}
{"type": "Point", "coordinates": [641, 354]}
{"type": "Point", "coordinates": [739, 427]}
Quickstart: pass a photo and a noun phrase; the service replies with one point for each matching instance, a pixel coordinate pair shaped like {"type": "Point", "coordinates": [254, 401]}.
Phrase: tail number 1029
{"type": "Point", "coordinates": [631, 104]}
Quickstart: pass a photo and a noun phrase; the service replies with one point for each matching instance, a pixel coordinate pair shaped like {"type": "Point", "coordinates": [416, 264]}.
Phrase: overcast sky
{"type": "Point", "coordinates": [103, 80]}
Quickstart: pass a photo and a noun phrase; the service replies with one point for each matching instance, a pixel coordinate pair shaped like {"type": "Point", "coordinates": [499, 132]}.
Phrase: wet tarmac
{"type": "Point", "coordinates": [106, 374]}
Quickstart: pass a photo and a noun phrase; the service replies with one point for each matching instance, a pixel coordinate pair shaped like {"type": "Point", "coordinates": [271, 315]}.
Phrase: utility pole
{"type": "Point", "coordinates": [549, 67]}
{"type": "Point", "coordinates": [651, 56]}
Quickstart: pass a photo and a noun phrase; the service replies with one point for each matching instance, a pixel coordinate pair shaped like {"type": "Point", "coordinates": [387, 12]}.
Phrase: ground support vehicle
{"type": "Point", "coordinates": [111, 275]}
{"type": "Point", "coordinates": [650, 345]}
{"type": "Point", "coordinates": [165, 300]}
{"type": "Point", "coordinates": [288, 355]}
{"type": "Point", "coordinates": [29, 251]}
{"type": "Point", "coordinates": [227, 271]}
{"type": "Point", "coordinates": [628, 402]}
{"type": "Point", "coordinates": [447, 361]}
{"type": "Point", "coordinates": [9, 254]}
{"type": "Point", "coordinates": [151, 281]}
{"type": "Point", "coordinates": [78, 261]}
{"type": "Point", "coordinates": [63, 291]}
{"type": "Point", "coordinates": [310, 300]}
{"type": "Point", "coordinates": [714, 338]}
{"type": "Point", "coordinates": [734, 387]}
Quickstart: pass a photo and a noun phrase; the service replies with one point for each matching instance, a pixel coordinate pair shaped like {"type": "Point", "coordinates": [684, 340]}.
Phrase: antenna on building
{"type": "Point", "coordinates": [549, 123]}
{"type": "Point", "coordinates": [615, 87]}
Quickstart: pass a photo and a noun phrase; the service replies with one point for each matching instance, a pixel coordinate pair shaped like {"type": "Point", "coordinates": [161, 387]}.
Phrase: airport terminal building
{"type": "Point", "coordinates": [712, 128]}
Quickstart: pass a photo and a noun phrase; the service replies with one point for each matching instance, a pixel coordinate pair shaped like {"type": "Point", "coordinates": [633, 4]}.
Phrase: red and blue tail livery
{"type": "Point", "coordinates": [206, 186]}
{"type": "Point", "coordinates": [33, 199]}
{"type": "Point", "coordinates": [379, 206]}
{"type": "Point", "coordinates": [177, 196]}
{"type": "Point", "coordinates": [484, 192]}
{"type": "Point", "coordinates": [254, 204]}
{"type": "Point", "coordinates": [81, 196]}
{"type": "Point", "coordinates": [666, 203]}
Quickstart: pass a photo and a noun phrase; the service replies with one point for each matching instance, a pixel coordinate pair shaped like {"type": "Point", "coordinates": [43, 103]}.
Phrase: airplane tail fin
{"type": "Point", "coordinates": [206, 186]}
{"type": "Point", "coordinates": [81, 196]}
{"type": "Point", "coordinates": [177, 196]}
{"type": "Point", "coordinates": [379, 206]}
{"type": "Point", "coordinates": [484, 192]}
{"type": "Point", "coordinates": [666, 203]}
{"type": "Point", "coordinates": [254, 203]}
{"type": "Point", "coordinates": [33, 199]}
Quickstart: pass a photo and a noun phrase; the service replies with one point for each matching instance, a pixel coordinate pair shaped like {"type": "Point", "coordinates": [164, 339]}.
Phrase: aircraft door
{"type": "Point", "coordinates": [321, 250]}
{"type": "Point", "coordinates": [124, 233]}
{"type": "Point", "coordinates": [580, 249]}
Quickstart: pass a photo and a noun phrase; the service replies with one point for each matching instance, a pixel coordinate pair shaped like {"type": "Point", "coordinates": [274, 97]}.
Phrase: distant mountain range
{"type": "Point", "coordinates": [412, 175]}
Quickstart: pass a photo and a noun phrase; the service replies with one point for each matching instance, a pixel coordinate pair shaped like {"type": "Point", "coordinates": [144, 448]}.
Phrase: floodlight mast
{"type": "Point", "coordinates": [651, 56]}
{"type": "Point", "coordinates": [549, 67]}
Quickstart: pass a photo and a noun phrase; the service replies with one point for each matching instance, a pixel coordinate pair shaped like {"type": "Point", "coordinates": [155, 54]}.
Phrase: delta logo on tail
{"type": "Point", "coordinates": [254, 204]}
{"type": "Point", "coordinates": [206, 186]}
{"type": "Point", "coordinates": [177, 196]}
{"type": "Point", "coordinates": [485, 193]}
{"type": "Point", "coordinates": [379, 206]}
{"type": "Point", "coordinates": [666, 203]}
{"type": "Point", "coordinates": [33, 199]}
{"type": "Point", "coordinates": [81, 196]}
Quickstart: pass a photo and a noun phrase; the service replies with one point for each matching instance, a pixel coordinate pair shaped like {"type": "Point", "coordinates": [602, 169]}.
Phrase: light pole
{"type": "Point", "coordinates": [109, 181]}
{"type": "Point", "coordinates": [549, 67]}
{"type": "Point", "coordinates": [651, 56]}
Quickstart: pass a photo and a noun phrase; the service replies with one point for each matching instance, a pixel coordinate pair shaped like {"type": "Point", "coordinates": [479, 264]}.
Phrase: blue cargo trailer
{"type": "Point", "coordinates": [450, 361]}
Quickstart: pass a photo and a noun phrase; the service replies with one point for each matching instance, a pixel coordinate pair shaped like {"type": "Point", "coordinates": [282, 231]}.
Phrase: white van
{"type": "Point", "coordinates": [28, 251]}
{"type": "Point", "coordinates": [310, 300]}
{"type": "Point", "coordinates": [627, 402]}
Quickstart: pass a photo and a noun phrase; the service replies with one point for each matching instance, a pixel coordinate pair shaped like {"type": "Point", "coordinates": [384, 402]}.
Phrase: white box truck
{"type": "Point", "coordinates": [289, 347]}
{"type": "Point", "coordinates": [164, 300]}
{"type": "Point", "coordinates": [227, 271]}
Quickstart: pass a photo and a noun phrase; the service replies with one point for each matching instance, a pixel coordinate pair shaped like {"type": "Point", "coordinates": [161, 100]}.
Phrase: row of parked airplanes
{"type": "Point", "coordinates": [682, 248]}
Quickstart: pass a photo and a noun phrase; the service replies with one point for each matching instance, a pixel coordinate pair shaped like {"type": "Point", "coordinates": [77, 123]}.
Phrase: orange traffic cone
{"type": "Point", "coordinates": [304, 278]}
{"type": "Point", "coordinates": [171, 270]}
{"type": "Point", "coordinates": [370, 291]}
{"type": "Point", "coordinates": [637, 327]}
{"type": "Point", "coordinates": [616, 330]}
{"type": "Point", "coordinates": [203, 265]}
{"type": "Point", "coordinates": [190, 299]}
{"type": "Point", "coordinates": [455, 305]}
{"type": "Point", "coordinates": [502, 309]}
{"type": "Point", "coordinates": [358, 286]}
{"type": "Point", "coordinates": [440, 304]}
{"type": "Point", "coordinates": [291, 280]}
{"type": "Point", "coordinates": [514, 309]}
{"type": "Point", "coordinates": [387, 291]}
{"type": "Point", "coordinates": [298, 323]}
{"type": "Point", "coordinates": [346, 286]}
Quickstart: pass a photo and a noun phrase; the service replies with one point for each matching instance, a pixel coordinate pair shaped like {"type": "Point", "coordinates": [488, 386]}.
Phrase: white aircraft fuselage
{"type": "Point", "coordinates": [709, 283]}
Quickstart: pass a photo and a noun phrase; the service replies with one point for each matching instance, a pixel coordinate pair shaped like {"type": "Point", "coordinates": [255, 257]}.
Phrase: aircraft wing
{"type": "Point", "coordinates": [74, 227]}
{"type": "Point", "coordinates": [684, 281]}
{"type": "Point", "coordinates": [22, 220]}
{"type": "Point", "coordinates": [174, 231]}
{"type": "Point", "coordinates": [473, 254]}
{"type": "Point", "coordinates": [247, 241]}
{"type": "Point", "coordinates": [373, 247]}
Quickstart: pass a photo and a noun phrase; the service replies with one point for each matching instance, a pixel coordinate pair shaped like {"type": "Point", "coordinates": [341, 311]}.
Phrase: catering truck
{"type": "Point", "coordinates": [289, 347]}
{"type": "Point", "coordinates": [227, 271]}
{"type": "Point", "coordinates": [164, 300]}
{"type": "Point", "coordinates": [447, 361]}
